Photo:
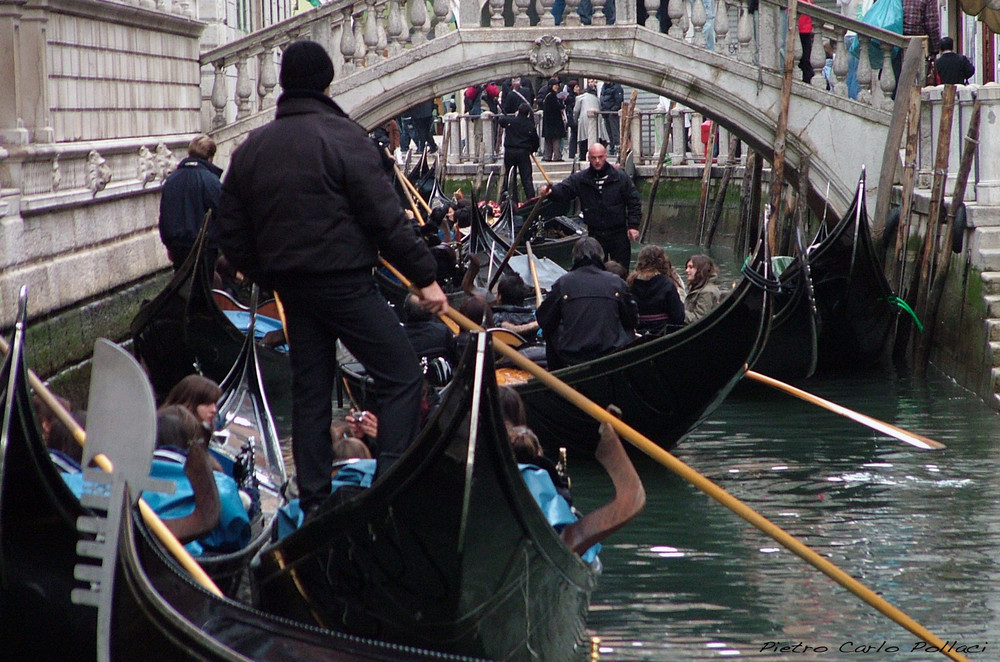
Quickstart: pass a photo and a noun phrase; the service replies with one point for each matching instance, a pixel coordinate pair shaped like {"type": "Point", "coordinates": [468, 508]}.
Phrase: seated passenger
{"type": "Point", "coordinates": [509, 312]}
{"type": "Point", "coordinates": [703, 292]}
{"type": "Point", "coordinates": [616, 269]}
{"type": "Point", "coordinates": [66, 452]}
{"type": "Point", "coordinates": [588, 312]}
{"type": "Point", "coordinates": [199, 395]}
{"type": "Point", "coordinates": [656, 288]}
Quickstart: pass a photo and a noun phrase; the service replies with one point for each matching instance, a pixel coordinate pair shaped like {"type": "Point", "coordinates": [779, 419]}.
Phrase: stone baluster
{"type": "Point", "coordinates": [382, 45]}
{"type": "Point", "coordinates": [489, 127]}
{"type": "Point", "coordinates": [988, 184]}
{"type": "Point", "coordinates": [520, 8]}
{"type": "Point", "coordinates": [686, 18]}
{"type": "Point", "coordinates": [925, 154]}
{"type": "Point", "coordinates": [360, 50]}
{"type": "Point", "coordinates": [698, 20]}
{"type": "Point", "coordinates": [347, 42]}
{"type": "Point", "coordinates": [220, 95]}
{"type": "Point", "coordinates": [817, 57]}
{"type": "Point", "coordinates": [570, 16]}
{"type": "Point", "coordinates": [244, 88]}
{"type": "Point", "coordinates": [395, 28]}
{"type": "Point", "coordinates": [723, 144]}
{"type": "Point", "coordinates": [600, 18]}
{"type": "Point", "coordinates": [418, 19]}
{"type": "Point", "coordinates": [744, 33]}
{"type": "Point", "coordinates": [496, 13]}
{"type": "Point", "coordinates": [722, 26]}
{"type": "Point", "coordinates": [370, 30]}
{"type": "Point", "coordinates": [675, 10]}
{"type": "Point", "coordinates": [468, 130]}
{"type": "Point", "coordinates": [454, 133]}
{"type": "Point", "coordinates": [442, 16]}
{"type": "Point", "coordinates": [697, 149]}
{"type": "Point", "coordinates": [679, 154]}
{"type": "Point", "coordinates": [651, 21]}
{"type": "Point", "coordinates": [864, 71]}
{"type": "Point", "coordinates": [268, 77]}
{"type": "Point", "coordinates": [545, 17]}
{"type": "Point", "coordinates": [887, 81]}
{"type": "Point", "coordinates": [840, 66]}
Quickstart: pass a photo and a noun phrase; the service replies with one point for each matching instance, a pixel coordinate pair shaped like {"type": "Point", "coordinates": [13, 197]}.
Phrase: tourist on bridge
{"type": "Point", "coordinates": [612, 98]}
{"type": "Point", "coordinates": [920, 18]}
{"type": "Point", "coordinates": [422, 119]}
{"type": "Point", "coordinates": [953, 68]}
{"type": "Point", "coordinates": [553, 122]}
{"type": "Point", "coordinates": [306, 209]}
{"type": "Point", "coordinates": [611, 207]}
{"type": "Point", "coordinates": [585, 103]}
{"type": "Point", "coordinates": [520, 142]}
{"type": "Point", "coordinates": [588, 312]}
{"type": "Point", "coordinates": [187, 195]}
{"type": "Point", "coordinates": [514, 95]}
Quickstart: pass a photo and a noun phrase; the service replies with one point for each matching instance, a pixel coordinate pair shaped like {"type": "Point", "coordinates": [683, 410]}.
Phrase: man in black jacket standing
{"type": "Point", "coordinates": [306, 209]}
{"type": "Point", "coordinates": [952, 67]}
{"type": "Point", "coordinates": [611, 207]}
{"type": "Point", "coordinates": [187, 195]}
{"type": "Point", "coordinates": [520, 141]}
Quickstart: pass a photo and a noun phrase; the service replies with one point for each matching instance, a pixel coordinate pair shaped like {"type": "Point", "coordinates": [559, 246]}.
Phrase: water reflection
{"type": "Point", "coordinates": [689, 580]}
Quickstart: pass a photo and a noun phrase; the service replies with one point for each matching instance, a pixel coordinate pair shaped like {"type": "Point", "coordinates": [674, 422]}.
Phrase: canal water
{"type": "Point", "coordinates": [689, 580]}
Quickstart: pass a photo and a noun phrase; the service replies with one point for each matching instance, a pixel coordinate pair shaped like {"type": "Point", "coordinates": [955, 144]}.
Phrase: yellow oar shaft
{"type": "Point", "coordinates": [707, 486]}
{"type": "Point", "coordinates": [152, 520]}
{"type": "Point", "coordinates": [917, 440]}
{"type": "Point", "coordinates": [534, 274]}
{"type": "Point", "coordinates": [548, 180]}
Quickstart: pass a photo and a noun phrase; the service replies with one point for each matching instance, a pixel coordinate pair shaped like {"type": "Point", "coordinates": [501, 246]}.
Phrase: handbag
{"type": "Point", "coordinates": [887, 15]}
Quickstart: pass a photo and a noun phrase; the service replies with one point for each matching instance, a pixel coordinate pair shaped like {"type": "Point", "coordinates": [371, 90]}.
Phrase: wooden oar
{"type": "Point", "coordinates": [152, 520]}
{"type": "Point", "coordinates": [413, 195]}
{"type": "Point", "coordinates": [548, 180]}
{"type": "Point", "coordinates": [534, 274]}
{"type": "Point", "coordinates": [917, 440]}
{"type": "Point", "coordinates": [517, 240]}
{"type": "Point", "coordinates": [668, 460]}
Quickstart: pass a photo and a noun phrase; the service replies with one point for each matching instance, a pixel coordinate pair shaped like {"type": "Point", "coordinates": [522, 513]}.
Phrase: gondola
{"type": "Point", "coordinates": [791, 350]}
{"type": "Point", "coordinates": [183, 330]}
{"type": "Point", "coordinates": [39, 620]}
{"type": "Point", "coordinates": [446, 550]}
{"type": "Point", "coordinates": [664, 385]}
{"type": "Point", "coordinates": [553, 234]}
{"type": "Point", "coordinates": [853, 297]}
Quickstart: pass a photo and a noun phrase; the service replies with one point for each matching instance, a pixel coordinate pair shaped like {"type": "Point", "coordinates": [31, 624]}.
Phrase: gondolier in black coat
{"type": "Point", "coordinates": [306, 209]}
{"type": "Point", "coordinates": [520, 141]}
{"type": "Point", "coordinates": [611, 207]}
{"type": "Point", "coordinates": [588, 312]}
{"type": "Point", "coordinates": [189, 192]}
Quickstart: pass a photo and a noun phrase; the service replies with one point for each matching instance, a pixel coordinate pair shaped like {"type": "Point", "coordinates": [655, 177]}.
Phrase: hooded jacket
{"type": "Point", "coordinates": [659, 304]}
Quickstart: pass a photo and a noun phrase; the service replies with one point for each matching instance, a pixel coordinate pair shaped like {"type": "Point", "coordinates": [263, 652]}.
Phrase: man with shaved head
{"type": "Point", "coordinates": [611, 207]}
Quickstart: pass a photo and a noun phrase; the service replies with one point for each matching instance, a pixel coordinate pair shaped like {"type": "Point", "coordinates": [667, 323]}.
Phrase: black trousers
{"type": "Point", "coordinates": [520, 159]}
{"type": "Point", "coordinates": [804, 62]}
{"type": "Point", "coordinates": [616, 246]}
{"type": "Point", "coordinates": [318, 313]}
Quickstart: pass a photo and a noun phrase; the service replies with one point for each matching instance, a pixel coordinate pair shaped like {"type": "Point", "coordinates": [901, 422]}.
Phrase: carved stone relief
{"type": "Point", "coordinates": [548, 55]}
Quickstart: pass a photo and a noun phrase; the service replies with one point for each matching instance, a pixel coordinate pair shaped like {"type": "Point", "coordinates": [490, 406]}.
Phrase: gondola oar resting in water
{"type": "Point", "coordinates": [711, 489]}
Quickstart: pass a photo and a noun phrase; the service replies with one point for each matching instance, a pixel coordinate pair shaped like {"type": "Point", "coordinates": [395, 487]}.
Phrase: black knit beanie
{"type": "Point", "coordinates": [305, 65]}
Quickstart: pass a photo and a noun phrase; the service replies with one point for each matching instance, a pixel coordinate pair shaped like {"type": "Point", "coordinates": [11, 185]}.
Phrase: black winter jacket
{"type": "Point", "coordinates": [659, 304]}
{"type": "Point", "coordinates": [306, 197]}
{"type": "Point", "coordinates": [587, 314]}
{"type": "Point", "coordinates": [188, 193]}
{"type": "Point", "coordinates": [608, 208]}
{"type": "Point", "coordinates": [520, 132]}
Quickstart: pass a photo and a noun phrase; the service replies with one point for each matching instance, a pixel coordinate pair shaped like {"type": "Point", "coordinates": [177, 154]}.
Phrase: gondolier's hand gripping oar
{"type": "Point", "coordinates": [152, 520]}
{"type": "Point", "coordinates": [917, 440]}
{"type": "Point", "coordinates": [638, 440]}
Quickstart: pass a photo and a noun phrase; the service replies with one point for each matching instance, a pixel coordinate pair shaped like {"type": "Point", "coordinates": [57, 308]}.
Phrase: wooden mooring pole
{"type": "Point", "coordinates": [778, 163]}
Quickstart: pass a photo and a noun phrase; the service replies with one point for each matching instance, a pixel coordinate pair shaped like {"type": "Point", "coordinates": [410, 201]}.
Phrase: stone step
{"type": "Point", "coordinates": [992, 305]}
{"type": "Point", "coordinates": [995, 375]}
{"type": "Point", "coordinates": [986, 238]}
{"type": "Point", "coordinates": [979, 216]}
{"type": "Point", "coordinates": [993, 330]}
{"type": "Point", "coordinates": [991, 282]}
{"type": "Point", "coordinates": [995, 352]}
{"type": "Point", "coordinates": [987, 259]}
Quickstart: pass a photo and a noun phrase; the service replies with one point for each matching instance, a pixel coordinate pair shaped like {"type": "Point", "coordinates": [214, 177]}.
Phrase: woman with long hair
{"type": "Point", "coordinates": [200, 395]}
{"type": "Point", "coordinates": [703, 292]}
{"type": "Point", "coordinates": [657, 289]}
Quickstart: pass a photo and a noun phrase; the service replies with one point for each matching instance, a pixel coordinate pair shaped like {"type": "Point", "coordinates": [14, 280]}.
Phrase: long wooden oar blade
{"type": "Point", "coordinates": [668, 460]}
{"type": "Point", "coordinates": [905, 436]}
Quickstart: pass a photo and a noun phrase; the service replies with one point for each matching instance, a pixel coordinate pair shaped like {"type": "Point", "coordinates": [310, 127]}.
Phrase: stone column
{"type": "Point", "coordinates": [12, 131]}
{"type": "Point", "coordinates": [486, 120]}
{"type": "Point", "coordinates": [929, 98]}
{"type": "Point", "coordinates": [679, 155]}
{"type": "Point", "coordinates": [33, 100]}
{"type": "Point", "coordinates": [454, 132]}
{"type": "Point", "coordinates": [697, 149]}
{"type": "Point", "coordinates": [988, 188]}
{"type": "Point", "coordinates": [963, 110]}
{"type": "Point", "coordinates": [636, 129]}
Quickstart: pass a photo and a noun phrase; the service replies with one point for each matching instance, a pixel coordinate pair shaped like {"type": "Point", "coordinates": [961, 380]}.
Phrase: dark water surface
{"type": "Point", "coordinates": [689, 580]}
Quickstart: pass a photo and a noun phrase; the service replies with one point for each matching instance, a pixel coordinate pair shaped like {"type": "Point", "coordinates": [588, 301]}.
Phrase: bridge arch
{"type": "Point", "coordinates": [839, 135]}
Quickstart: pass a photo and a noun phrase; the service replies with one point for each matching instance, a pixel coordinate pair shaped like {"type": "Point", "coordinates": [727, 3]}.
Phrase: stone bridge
{"type": "Point", "coordinates": [738, 83]}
